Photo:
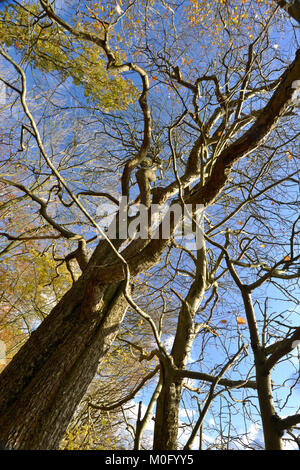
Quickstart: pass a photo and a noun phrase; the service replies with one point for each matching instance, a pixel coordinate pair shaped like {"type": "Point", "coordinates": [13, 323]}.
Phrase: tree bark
{"type": "Point", "coordinates": [272, 436]}
{"type": "Point", "coordinates": [43, 384]}
{"type": "Point", "coordinates": [166, 420]}
{"type": "Point", "coordinates": [167, 409]}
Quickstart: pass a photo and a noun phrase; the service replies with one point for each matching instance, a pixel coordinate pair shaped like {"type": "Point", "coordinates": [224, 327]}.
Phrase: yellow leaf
{"type": "Point", "coordinates": [286, 258]}
{"type": "Point", "coordinates": [240, 320]}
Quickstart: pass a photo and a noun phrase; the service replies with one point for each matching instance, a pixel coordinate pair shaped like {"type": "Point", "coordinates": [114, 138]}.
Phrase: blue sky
{"type": "Point", "coordinates": [277, 302]}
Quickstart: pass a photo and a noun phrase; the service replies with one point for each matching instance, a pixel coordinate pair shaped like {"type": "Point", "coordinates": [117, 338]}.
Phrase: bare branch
{"type": "Point", "coordinates": [282, 348]}
{"type": "Point", "coordinates": [129, 397]}
{"type": "Point", "coordinates": [211, 379]}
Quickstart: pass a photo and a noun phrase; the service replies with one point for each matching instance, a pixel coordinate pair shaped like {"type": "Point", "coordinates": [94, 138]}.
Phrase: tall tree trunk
{"type": "Point", "coordinates": [167, 409]}
{"type": "Point", "coordinates": [272, 436]}
{"type": "Point", "coordinates": [43, 384]}
{"type": "Point", "coordinates": [269, 418]}
{"type": "Point", "coordinates": [166, 419]}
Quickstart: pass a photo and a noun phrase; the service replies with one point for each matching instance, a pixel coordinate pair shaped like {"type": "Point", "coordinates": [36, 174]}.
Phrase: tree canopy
{"type": "Point", "coordinates": [149, 232]}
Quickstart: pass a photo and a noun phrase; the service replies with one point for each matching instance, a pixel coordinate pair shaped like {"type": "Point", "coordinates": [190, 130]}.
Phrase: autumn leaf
{"type": "Point", "coordinates": [286, 258]}
{"type": "Point", "coordinates": [289, 156]}
{"type": "Point", "coordinates": [240, 320]}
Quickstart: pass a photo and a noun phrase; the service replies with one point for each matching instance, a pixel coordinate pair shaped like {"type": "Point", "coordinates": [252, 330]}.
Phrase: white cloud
{"type": "Point", "coordinates": [289, 445]}
{"type": "Point", "coordinates": [190, 412]}
{"type": "Point", "coordinates": [184, 434]}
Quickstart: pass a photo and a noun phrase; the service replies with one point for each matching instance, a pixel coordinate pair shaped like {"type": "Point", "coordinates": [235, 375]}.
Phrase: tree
{"type": "Point", "coordinates": [234, 103]}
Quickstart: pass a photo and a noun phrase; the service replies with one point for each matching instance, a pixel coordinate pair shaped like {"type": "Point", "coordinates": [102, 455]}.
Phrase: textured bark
{"type": "Point", "coordinates": [166, 417]}
{"type": "Point", "coordinates": [43, 384]}
{"type": "Point", "coordinates": [272, 435]}
{"type": "Point", "coordinates": [166, 420]}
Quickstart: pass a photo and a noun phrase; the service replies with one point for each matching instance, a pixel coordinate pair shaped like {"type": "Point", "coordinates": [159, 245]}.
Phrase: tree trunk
{"type": "Point", "coordinates": [43, 384]}
{"type": "Point", "coordinates": [166, 420]}
{"type": "Point", "coordinates": [166, 417]}
{"type": "Point", "coordinates": [269, 418]}
{"type": "Point", "coordinates": [272, 436]}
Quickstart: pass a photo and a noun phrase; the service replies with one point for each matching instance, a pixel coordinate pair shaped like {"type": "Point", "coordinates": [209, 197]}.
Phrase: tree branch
{"type": "Point", "coordinates": [282, 348]}
{"type": "Point", "coordinates": [292, 8]}
{"type": "Point", "coordinates": [289, 422]}
{"type": "Point", "coordinates": [128, 397]}
{"type": "Point", "coordinates": [211, 378]}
